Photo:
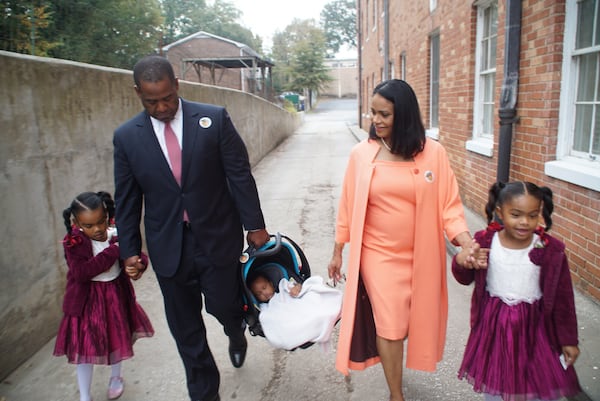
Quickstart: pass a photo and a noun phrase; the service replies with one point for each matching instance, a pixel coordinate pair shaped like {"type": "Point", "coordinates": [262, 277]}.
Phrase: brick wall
{"type": "Point", "coordinates": [206, 48]}
{"type": "Point", "coordinates": [577, 210]}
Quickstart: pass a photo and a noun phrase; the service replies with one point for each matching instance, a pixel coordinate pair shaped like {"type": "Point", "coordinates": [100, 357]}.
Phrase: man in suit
{"type": "Point", "coordinates": [187, 166]}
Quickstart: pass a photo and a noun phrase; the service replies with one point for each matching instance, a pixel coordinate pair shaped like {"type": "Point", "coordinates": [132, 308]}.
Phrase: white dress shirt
{"type": "Point", "coordinates": [176, 126]}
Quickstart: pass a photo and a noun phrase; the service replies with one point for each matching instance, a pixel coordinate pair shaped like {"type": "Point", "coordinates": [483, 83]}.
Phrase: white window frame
{"type": "Point", "coordinates": [480, 143]}
{"type": "Point", "coordinates": [567, 167]}
{"type": "Point", "coordinates": [434, 130]}
{"type": "Point", "coordinates": [432, 5]}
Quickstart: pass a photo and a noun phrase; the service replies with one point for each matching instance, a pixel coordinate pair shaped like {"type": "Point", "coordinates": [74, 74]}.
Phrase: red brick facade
{"type": "Point", "coordinates": [536, 134]}
{"type": "Point", "coordinates": [202, 45]}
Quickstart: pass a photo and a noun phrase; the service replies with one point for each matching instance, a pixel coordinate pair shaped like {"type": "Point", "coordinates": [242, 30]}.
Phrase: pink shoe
{"type": "Point", "coordinates": [115, 387]}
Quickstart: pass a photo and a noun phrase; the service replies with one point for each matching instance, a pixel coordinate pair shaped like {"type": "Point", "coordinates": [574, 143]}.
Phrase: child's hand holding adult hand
{"type": "Point", "coordinates": [134, 267]}
{"type": "Point", "coordinates": [473, 256]}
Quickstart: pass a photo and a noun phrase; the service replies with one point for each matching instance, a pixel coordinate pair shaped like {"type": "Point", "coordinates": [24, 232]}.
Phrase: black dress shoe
{"type": "Point", "coordinates": [237, 350]}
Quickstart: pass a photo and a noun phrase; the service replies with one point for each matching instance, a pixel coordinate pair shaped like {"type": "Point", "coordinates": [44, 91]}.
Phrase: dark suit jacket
{"type": "Point", "coordinates": [218, 190]}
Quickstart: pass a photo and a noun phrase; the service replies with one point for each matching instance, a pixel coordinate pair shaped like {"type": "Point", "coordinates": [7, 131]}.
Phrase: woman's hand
{"type": "Point", "coordinates": [471, 256]}
{"type": "Point", "coordinates": [334, 269]}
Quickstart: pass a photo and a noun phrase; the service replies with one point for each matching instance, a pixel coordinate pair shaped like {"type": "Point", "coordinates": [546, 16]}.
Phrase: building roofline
{"type": "Point", "coordinates": [203, 35]}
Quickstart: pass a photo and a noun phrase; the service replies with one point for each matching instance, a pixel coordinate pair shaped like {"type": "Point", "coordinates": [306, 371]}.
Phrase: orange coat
{"type": "Point", "coordinates": [438, 210]}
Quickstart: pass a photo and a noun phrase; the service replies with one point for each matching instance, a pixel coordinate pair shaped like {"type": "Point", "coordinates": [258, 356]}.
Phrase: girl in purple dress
{"type": "Point", "coordinates": [523, 339]}
{"type": "Point", "coordinates": [101, 319]}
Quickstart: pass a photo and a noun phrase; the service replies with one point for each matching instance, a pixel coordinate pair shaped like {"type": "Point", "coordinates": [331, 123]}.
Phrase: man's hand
{"type": "Point", "coordinates": [134, 267]}
{"type": "Point", "coordinates": [257, 238]}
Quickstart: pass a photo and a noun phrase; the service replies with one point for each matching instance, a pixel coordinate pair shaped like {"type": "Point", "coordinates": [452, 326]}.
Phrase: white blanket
{"type": "Point", "coordinates": [289, 322]}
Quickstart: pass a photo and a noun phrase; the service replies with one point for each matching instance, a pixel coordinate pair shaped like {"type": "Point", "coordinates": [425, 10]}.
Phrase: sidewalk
{"type": "Point", "coordinates": [299, 184]}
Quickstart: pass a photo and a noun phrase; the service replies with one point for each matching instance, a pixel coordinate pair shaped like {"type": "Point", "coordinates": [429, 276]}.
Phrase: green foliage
{"type": "Point", "coordinates": [299, 53]}
{"type": "Point", "coordinates": [22, 27]}
{"type": "Point", "coordinates": [179, 15]}
{"type": "Point", "coordinates": [338, 19]}
{"type": "Point", "coordinates": [105, 32]}
{"type": "Point", "coordinates": [113, 33]}
{"type": "Point", "coordinates": [185, 17]}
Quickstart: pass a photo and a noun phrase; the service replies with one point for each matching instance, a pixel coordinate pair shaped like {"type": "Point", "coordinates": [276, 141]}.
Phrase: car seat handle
{"type": "Point", "coordinates": [264, 250]}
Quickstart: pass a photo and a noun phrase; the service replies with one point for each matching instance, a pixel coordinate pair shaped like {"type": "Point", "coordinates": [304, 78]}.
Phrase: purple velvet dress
{"type": "Point", "coordinates": [509, 353]}
{"type": "Point", "coordinates": [110, 320]}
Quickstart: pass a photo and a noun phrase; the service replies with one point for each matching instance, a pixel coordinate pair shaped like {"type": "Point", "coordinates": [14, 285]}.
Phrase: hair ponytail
{"type": "Point", "coordinates": [493, 194]}
{"type": "Point", "coordinates": [67, 217]}
{"type": "Point", "coordinates": [548, 206]}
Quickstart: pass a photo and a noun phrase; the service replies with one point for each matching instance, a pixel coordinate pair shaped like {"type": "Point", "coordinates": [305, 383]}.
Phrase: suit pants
{"type": "Point", "coordinates": [182, 293]}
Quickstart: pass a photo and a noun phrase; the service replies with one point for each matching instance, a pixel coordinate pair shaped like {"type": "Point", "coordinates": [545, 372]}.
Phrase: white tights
{"type": "Point", "coordinates": [84, 378]}
{"type": "Point", "coordinates": [489, 397]}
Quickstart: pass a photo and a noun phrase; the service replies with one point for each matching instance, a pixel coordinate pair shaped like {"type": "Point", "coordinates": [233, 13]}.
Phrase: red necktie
{"type": "Point", "coordinates": [174, 151]}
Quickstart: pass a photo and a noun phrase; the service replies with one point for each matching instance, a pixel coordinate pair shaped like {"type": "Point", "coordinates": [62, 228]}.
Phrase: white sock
{"type": "Point", "coordinates": [84, 379]}
{"type": "Point", "coordinates": [489, 397]}
{"type": "Point", "coordinates": [115, 370]}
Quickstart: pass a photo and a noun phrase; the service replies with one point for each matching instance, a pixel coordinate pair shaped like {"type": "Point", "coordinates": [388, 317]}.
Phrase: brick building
{"type": "Point", "coordinates": [214, 60]}
{"type": "Point", "coordinates": [468, 70]}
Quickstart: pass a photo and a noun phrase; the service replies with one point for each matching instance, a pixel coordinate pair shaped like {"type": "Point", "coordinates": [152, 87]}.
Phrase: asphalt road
{"type": "Point", "coordinates": [299, 184]}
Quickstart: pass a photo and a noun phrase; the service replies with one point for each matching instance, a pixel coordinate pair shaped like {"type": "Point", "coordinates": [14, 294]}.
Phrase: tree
{"type": "Point", "coordinates": [115, 32]}
{"type": "Point", "coordinates": [22, 27]}
{"type": "Point", "coordinates": [178, 17]}
{"type": "Point", "coordinates": [338, 19]}
{"type": "Point", "coordinates": [299, 52]}
{"type": "Point", "coordinates": [185, 17]}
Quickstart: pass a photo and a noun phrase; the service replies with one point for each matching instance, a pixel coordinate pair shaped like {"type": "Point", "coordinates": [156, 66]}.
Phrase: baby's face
{"type": "Point", "coordinates": [262, 289]}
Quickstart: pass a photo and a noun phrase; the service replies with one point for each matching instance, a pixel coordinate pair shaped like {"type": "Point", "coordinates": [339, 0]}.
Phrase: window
{"type": "Point", "coordinates": [366, 21]}
{"type": "Point", "coordinates": [578, 147]}
{"type": "Point", "coordinates": [485, 78]}
{"type": "Point", "coordinates": [434, 85]}
{"type": "Point", "coordinates": [432, 5]}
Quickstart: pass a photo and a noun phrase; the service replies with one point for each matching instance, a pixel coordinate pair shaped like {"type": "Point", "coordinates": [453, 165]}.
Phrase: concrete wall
{"type": "Point", "coordinates": [57, 120]}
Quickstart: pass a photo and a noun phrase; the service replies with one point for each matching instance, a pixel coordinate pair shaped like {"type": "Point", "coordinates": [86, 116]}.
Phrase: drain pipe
{"type": "Point", "coordinates": [510, 84]}
{"type": "Point", "coordinates": [359, 68]}
{"type": "Point", "coordinates": [386, 39]}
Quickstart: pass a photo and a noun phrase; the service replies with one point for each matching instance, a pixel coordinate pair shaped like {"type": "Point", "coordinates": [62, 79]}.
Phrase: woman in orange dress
{"type": "Point", "coordinates": [399, 198]}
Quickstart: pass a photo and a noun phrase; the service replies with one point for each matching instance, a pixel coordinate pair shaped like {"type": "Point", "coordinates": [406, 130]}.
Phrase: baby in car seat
{"type": "Point", "coordinates": [293, 314]}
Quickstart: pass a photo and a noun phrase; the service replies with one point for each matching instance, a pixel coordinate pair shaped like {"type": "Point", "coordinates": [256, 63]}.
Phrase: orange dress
{"type": "Point", "coordinates": [387, 246]}
{"type": "Point", "coordinates": [438, 211]}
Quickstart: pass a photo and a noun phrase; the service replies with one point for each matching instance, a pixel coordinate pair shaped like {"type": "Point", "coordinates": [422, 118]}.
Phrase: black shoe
{"type": "Point", "coordinates": [237, 350]}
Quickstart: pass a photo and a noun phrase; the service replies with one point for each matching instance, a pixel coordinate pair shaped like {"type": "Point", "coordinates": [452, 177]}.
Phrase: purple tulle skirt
{"type": "Point", "coordinates": [104, 334]}
{"type": "Point", "coordinates": [508, 354]}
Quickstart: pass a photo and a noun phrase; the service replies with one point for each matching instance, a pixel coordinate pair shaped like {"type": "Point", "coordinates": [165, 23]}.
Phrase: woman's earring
{"type": "Point", "coordinates": [80, 229]}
